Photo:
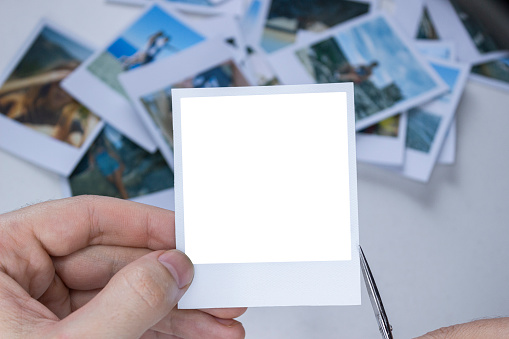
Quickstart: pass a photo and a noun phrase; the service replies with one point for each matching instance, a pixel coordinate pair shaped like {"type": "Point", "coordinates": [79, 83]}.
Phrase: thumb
{"type": "Point", "coordinates": [135, 299]}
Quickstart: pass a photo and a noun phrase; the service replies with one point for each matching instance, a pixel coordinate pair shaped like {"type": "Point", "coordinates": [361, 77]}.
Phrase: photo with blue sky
{"type": "Point", "coordinates": [154, 21]}
{"type": "Point", "coordinates": [375, 40]}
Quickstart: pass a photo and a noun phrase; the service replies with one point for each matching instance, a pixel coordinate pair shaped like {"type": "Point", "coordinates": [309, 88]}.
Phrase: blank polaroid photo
{"type": "Point", "coordinates": [155, 35]}
{"type": "Point", "coordinates": [428, 124]}
{"type": "Point", "coordinates": [384, 142]}
{"type": "Point", "coordinates": [115, 166]}
{"type": "Point", "coordinates": [39, 121]}
{"type": "Point", "coordinates": [149, 88]}
{"type": "Point", "coordinates": [453, 23]}
{"type": "Point", "coordinates": [389, 75]}
{"type": "Point", "coordinates": [265, 195]}
{"type": "Point", "coordinates": [493, 70]}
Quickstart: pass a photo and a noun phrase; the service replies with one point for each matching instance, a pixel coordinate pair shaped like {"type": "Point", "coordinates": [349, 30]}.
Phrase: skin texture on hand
{"type": "Point", "coordinates": [99, 267]}
{"type": "Point", "coordinates": [484, 328]}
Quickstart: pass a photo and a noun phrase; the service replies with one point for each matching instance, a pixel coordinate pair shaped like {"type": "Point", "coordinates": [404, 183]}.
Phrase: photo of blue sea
{"type": "Point", "coordinates": [374, 40]}
{"type": "Point", "coordinates": [155, 20]}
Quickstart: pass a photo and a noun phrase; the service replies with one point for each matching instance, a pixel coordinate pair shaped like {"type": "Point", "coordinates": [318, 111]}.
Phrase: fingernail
{"type": "Point", "coordinates": [228, 322]}
{"type": "Point", "coordinates": [179, 265]}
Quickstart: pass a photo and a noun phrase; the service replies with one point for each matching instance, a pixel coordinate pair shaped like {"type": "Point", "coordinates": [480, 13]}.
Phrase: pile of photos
{"type": "Point", "coordinates": [102, 117]}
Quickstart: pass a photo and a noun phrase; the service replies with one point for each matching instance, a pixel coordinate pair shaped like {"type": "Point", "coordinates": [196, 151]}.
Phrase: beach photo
{"type": "Point", "coordinates": [286, 18]}
{"type": "Point", "coordinates": [31, 95]}
{"type": "Point", "coordinates": [114, 166]}
{"type": "Point", "coordinates": [158, 104]}
{"type": "Point", "coordinates": [384, 71]}
{"type": "Point", "coordinates": [154, 36]}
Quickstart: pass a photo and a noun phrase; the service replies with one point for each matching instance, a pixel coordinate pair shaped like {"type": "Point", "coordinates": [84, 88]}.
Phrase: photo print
{"type": "Point", "coordinates": [442, 50]}
{"type": "Point", "coordinates": [115, 166]}
{"type": "Point", "coordinates": [155, 35]}
{"type": "Point", "coordinates": [286, 20]}
{"type": "Point", "coordinates": [384, 142]}
{"type": "Point", "coordinates": [493, 70]}
{"type": "Point", "coordinates": [35, 110]}
{"type": "Point", "coordinates": [389, 76]}
{"type": "Point", "coordinates": [453, 22]}
{"type": "Point", "coordinates": [426, 29]}
{"type": "Point", "coordinates": [150, 88]}
{"type": "Point", "coordinates": [429, 124]}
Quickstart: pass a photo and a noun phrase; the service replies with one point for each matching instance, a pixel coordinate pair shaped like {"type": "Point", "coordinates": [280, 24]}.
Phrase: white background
{"type": "Point", "coordinates": [439, 251]}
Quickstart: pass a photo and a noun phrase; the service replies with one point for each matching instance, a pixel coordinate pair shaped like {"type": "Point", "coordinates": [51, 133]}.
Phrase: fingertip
{"type": "Point", "coordinates": [179, 265]}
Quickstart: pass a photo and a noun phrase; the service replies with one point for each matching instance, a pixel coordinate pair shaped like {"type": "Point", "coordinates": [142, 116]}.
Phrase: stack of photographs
{"type": "Point", "coordinates": [102, 117]}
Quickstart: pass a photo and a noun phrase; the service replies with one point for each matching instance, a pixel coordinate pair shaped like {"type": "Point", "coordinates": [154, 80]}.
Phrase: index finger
{"type": "Point", "coordinates": [67, 225]}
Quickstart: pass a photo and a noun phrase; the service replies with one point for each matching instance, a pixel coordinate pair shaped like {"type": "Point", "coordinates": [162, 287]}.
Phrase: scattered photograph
{"type": "Point", "coordinates": [32, 96]}
{"type": "Point", "coordinates": [115, 166]}
{"type": "Point", "coordinates": [494, 71]}
{"type": "Point", "coordinates": [453, 22]}
{"type": "Point", "coordinates": [384, 142]}
{"type": "Point", "coordinates": [39, 121]}
{"type": "Point", "coordinates": [385, 72]}
{"type": "Point", "coordinates": [388, 127]}
{"type": "Point", "coordinates": [429, 124]}
{"type": "Point", "coordinates": [286, 18]}
{"type": "Point", "coordinates": [421, 129]}
{"type": "Point", "coordinates": [427, 29]}
{"type": "Point", "coordinates": [157, 34]}
{"type": "Point", "coordinates": [158, 104]}
{"type": "Point", "coordinates": [478, 33]}
{"type": "Point", "coordinates": [154, 36]}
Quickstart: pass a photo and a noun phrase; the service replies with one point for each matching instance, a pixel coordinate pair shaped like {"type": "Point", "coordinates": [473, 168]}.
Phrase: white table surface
{"type": "Point", "coordinates": [438, 251]}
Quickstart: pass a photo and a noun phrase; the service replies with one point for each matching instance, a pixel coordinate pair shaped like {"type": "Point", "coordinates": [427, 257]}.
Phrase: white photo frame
{"type": "Point", "coordinates": [291, 70]}
{"type": "Point", "coordinates": [101, 97]}
{"type": "Point", "coordinates": [18, 139]}
{"type": "Point", "coordinates": [166, 73]}
{"type": "Point", "coordinates": [231, 275]}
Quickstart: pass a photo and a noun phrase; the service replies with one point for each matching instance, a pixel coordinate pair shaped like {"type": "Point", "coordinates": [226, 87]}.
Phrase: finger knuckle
{"type": "Point", "coordinates": [145, 287]}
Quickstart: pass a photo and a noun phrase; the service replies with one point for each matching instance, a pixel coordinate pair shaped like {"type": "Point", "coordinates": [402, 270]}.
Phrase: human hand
{"type": "Point", "coordinates": [485, 328]}
{"type": "Point", "coordinates": [99, 267]}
